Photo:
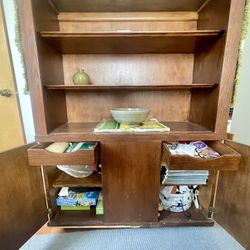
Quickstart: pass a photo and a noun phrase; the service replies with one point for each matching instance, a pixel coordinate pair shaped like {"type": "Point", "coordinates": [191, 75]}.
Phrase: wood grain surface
{"type": "Point", "coordinates": [126, 5]}
{"type": "Point", "coordinates": [219, 62]}
{"type": "Point", "coordinates": [131, 181]}
{"type": "Point", "coordinates": [133, 21]}
{"type": "Point", "coordinates": [65, 180]}
{"type": "Point", "coordinates": [233, 198]}
{"type": "Point", "coordinates": [98, 87]}
{"type": "Point", "coordinates": [131, 42]}
{"type": "Point", "coordinates": [38, 155]}
{"type": "Point", "coordinates": [43, 64]}
{"type": "Point", "coordinates": [135, 69]}
{"type": "Point", "coordinates": [229, 159]}
{"type": "Point", "coordinates": [126, 16]}
{"type": "Point", "coordinates": [132, 70]}
{"type": "Point", "coordinates": [85, 132]}
{"type": "Point", "coordinates": [23, 209]}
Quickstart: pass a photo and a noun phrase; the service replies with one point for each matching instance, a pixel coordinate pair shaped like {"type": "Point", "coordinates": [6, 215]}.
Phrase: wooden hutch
{"type": "Point", "coordinates": [176, 58]}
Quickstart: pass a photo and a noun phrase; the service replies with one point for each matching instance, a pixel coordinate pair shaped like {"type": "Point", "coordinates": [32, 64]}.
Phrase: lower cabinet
{"type": "Point", "coordinates": [129, 178]}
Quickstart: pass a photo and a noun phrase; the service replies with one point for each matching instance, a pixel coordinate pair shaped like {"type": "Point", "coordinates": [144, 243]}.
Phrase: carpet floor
{"type": "Point", "coordinates": [135, 239]}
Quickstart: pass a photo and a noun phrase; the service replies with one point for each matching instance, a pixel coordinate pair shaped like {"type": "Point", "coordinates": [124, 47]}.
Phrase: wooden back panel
{"type": "Point", "coordinates": [134, 69]}
{"type": "Point", "coordinates": [134, 21]}
{"type": "Point", "coordinates": [148, 69]}
{"type": "Point", "coordinates": [131, 69]}
{"type": "Point", "coordinates": [127, 5]}
{"type": "Point", "coordinates": [91, 107]}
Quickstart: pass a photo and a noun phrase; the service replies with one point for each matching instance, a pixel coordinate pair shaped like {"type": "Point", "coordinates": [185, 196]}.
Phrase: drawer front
{"type": "Point", "coordinates": [38, 155]}
{"type": "Point", "coordinates": [229, 159]}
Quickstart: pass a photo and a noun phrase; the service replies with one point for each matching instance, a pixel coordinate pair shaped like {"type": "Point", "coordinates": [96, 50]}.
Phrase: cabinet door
{"type": "Point", "coordinates": [233, 197]}
{"type": "Point", "coordinates": [23, 209]}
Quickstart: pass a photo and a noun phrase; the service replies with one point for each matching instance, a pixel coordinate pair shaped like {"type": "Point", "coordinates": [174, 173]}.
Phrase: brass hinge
{"type": "Point", "coordinates": [49, 211]}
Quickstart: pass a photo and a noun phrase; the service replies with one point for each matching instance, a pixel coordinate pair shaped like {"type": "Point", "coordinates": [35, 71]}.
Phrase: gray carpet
{"type": "Point", "coordinates": [128, 239]}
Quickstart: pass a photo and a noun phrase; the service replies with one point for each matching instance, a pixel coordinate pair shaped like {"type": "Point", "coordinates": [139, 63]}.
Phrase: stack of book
{"type": "Point", "coordinates": [99, 206]}
{"type": "Point", "coordinates": [76, 199]}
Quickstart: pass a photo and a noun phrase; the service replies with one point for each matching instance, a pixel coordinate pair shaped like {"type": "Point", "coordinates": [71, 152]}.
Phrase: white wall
{"type": "Point", "coordinates": [25, 103]}
{"type": "Point", "coordinates": [240, 125]}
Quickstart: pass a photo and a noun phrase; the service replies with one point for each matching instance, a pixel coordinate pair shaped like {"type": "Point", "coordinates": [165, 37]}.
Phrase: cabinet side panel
{"type": "Point", "coordinates": [131, 181]}
{"type": "Point", "coordinates": [208, 65]}
{"type": "Point", "coordinates": [203, 107]}
{"type": "Point", "coordinates": [229, 63]}
{"type": "Point", "coordinates": [42, 64]}
{"type": "Point", "coordinates": [217, 64]}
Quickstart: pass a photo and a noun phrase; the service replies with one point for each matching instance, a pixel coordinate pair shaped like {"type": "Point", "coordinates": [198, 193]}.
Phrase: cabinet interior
{"type": "Point", "coordinates": [167, 56]}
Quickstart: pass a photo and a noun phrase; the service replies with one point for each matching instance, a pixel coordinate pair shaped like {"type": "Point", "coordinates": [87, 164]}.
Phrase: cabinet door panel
{"type": "Point", "coordinates": [23, 209]}
{"type": "Point", "coordinates": [233, 197]}
{"type": "Point", "coordinates": [131, 181]}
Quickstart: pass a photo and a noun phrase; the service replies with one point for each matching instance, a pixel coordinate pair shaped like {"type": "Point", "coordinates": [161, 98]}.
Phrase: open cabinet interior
{"type": "Point", "coordinates": [175, 58]}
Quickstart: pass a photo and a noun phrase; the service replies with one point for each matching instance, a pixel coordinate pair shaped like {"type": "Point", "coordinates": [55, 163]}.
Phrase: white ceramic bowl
{"type": "Point", "coordinates": [130, 115]}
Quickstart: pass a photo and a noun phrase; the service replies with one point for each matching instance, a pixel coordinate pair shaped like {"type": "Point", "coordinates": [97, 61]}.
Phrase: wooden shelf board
{"type": "Point", "coordinates": [126, 5]}
{"type": "Point", "coordinates": [197, 218]}
{"type": "Point", "coordinates": [87, 128]}
{"type": "Point", "coordinates": [65, 180]}
{"type": "Point", "coordinates": [84, 131]}
{"type": "Point", "coordinates": [143, 42]}
{"type": "Point", "coordinates": [91, 220]}
{"type": "Point", "coordinates": [76, 218]}
{"type": "Point", "coordinates": [131, 87]}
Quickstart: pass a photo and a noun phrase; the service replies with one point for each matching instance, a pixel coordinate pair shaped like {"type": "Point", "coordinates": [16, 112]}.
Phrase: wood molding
{"type": "Point", "coordinates": [127, 16]}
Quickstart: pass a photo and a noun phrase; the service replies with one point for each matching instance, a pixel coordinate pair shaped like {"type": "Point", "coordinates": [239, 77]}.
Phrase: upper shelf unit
{"type": "Point", "coordinates": [132, 42]}
{"type": "Point", "coordinates": [126, 5]}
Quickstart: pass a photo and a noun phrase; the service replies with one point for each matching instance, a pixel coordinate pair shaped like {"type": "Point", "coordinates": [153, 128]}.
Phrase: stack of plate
{"type": "Point", "coordinates": [184, 177]}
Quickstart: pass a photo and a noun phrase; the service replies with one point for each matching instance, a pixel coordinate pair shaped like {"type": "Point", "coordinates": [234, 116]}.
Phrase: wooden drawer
{"type": "Point", "coordinates": [39, 156]}
{"type": "Point", "coordinates": [229, 159]}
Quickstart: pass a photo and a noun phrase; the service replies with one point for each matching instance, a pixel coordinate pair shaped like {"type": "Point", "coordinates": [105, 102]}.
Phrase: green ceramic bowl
{"type": "Point", "coordinates": [130, 115]}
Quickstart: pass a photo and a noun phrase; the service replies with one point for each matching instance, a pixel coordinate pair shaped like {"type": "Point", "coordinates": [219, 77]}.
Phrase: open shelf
{"type": "Point", "coordinates": [85, 131]}
{"type": "Point", "coordinates": [76, 218]}
{"type": "Point", "coordinates": [65, 180]}
{"type": "Point", "coordinates": [132, 42]}
{"type": "Point", "coordinates": [131, 87]}
{"type": "Point", "coordinates": [126, 5]}
{"type": "Point", "coordinates": [197, 218]}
